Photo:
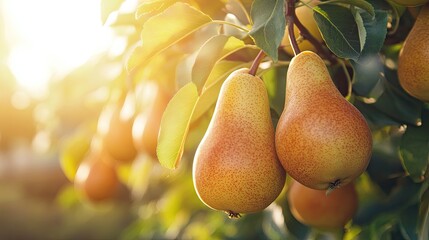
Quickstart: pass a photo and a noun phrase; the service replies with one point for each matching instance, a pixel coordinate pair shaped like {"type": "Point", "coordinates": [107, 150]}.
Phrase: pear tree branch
{"type": "Point", "coordinates": [290, 21]}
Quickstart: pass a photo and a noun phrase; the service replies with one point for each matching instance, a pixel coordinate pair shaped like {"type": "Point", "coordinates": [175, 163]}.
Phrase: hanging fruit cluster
{"type": "Point", "coordinates": [306, 102]}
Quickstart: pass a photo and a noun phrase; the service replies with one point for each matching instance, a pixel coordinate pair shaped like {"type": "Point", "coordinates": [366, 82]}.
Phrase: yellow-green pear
{"type": "Point", "coordinates": [410, 3]}
{"type": "Point", "coordinates": [322, 140]}
{"type": "Point", "coordinates": [236, 168]}
{"type": "Point", "coordinates": [413, 67]}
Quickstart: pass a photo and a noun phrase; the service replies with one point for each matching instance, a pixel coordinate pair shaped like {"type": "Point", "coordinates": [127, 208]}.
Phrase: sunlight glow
{"type": "Point", "coordinates": [51, 37]}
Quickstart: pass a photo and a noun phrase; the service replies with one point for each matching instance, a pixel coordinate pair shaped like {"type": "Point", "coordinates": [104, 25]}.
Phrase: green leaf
{"type": "Point", "coordinates": [166, 29]}
{"type": "Point", "coordinates": [395, 102]}
{"type": "Point", "coordinates": [152, 7]}
{"type": "Point", "coordinates": [408, 222]}
{"type": "Point", "coordinates": [361, 27]}
{"type": "Point", "coordinates": [215, 49]}
{"type": "Point", "coordinates": [213, 85]}
{"type": "Point", "coordinates": [376, 31]}
{"type": "Point", "coordinates": [107, 7]}
{"type": "Point", "coordinates": [414, 149]}
{"type": "Point", "coordinates": [339, 30]}
{"type": "Point", "coordinates": [423, 216]}
{"type": "Point", "coordinates": [74, 150]}
{"type": "Point", "coordinates": [366, 6]}
{"type": "Point", "coordinates": [175, 126]}
{"type": "Point", "coordinates": [269, 25]}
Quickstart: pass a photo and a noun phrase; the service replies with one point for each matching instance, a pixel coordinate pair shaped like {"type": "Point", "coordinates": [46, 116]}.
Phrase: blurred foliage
{"type": "Point", "coordinates": [188, 48]}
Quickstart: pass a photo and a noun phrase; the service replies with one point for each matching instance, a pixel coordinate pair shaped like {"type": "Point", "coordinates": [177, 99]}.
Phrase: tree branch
{"type": "Point", "coordinates": [290, 20]}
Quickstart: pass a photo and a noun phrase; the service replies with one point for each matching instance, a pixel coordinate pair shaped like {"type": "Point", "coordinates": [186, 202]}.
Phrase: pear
{"type": "Point", "coordinates": [96, 177]}
{"type": "Point", "coordinates": [315, 208]}
{"type": "Point", "coordinates": [322, 140]}
{"type": "Point", "coordinates": [413, 70]}
{"type": "Point", "coordinates": [236, 168]}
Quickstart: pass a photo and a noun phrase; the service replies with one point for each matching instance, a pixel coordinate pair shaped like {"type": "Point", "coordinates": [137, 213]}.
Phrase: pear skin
{"type": "Point", "coordinates": [315, 208]}
{"type": "Point", "coordinates": [322, 140]}
{"type": "Point", "coordinates": [236, 168]}
{"type": "Point", "coordinates": [413, 68]}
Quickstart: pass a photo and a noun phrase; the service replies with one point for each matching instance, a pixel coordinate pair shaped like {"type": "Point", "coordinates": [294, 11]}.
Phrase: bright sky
{"type": "Point", "coordinates": [51, 37]}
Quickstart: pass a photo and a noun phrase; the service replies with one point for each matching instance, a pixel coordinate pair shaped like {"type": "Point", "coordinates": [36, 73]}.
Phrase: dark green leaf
{"type": "Point", "coordinates": [376, 30]}
{"type": "Point", "coordinates": [339, 30]}
{"type": "Point", "coordinates": [414, 149]}
{"type": "Point", "coordinates": [268, 25]}
{"type": "Point", "coordinates": [397, 104]}
{"type": "Point", "coordinates": [408, 222]}
{"type": "Point", "coordinates": [423, 216]}
{"type": "Point", "coordinates": [364, 5]}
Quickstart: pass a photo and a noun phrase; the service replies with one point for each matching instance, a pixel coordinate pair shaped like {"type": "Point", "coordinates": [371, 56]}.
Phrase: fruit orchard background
{"type": "Point", "coordinates": [186, 49]}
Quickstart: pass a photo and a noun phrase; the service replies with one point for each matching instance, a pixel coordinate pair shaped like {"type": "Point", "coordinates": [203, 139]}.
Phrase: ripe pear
{"type": "Point", "coordinates": [322, 140]}
{"type": "Point", "coordinates": [315, 208]}
{"type": "Point", "coordinates": [410, 3]}
{"type": "Point", "coordinates": [305, 15]}
{"type": "Point", "coordinates": [236, 168]}
{"type": "Point", "coordinates": [413, 70]}
{"type": "Point", "coordinates": [96, 177]}
{"type": "Point", "coordinates": [147, 122]}
{"type": "Point", "coordinates": [115, 128]}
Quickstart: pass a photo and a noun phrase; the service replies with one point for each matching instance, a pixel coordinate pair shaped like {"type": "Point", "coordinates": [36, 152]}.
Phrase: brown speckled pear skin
{"type": "Point", "coordinates": [315, 208]}
{"type": "Point", "coordinates": [321, 139]}
{"type": "Point", "coordinates": [413, 67]}
{"type": "Point", "coordinates": [236, 168]}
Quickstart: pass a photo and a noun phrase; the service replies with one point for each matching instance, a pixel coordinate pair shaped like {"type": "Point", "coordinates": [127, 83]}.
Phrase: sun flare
{"type": "Point", "coordinates": [50, 37]}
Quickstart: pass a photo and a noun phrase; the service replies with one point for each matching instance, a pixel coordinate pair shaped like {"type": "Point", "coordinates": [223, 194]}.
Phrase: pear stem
{"type": "Point", "coordinates": [290, 21]}
{"type": "Point", "coordinates": [255, 65]}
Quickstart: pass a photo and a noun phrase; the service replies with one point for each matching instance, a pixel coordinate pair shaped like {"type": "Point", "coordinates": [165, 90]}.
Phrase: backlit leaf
{"type": "Point", "coordinates": [166, 29]}
{"type": "Point", "coordinates": [175, 125]}
{"type": "Point", "coordinates": [215, 49]}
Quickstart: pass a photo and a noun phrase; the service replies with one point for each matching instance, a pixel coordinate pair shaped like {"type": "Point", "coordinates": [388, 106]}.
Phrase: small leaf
{"type": "Point", "coordinates": [166, 29]}
{"type": "Point", "coordinates": [175, 126]}
{"type": "Point", "coordinates": [414, 149]}
{"type": "Point", "coordinates": [360, 26]}
{"type": "Point", "coordinates": [269, 25]}
{"type": "Point", "coordinates": [339, 30]}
